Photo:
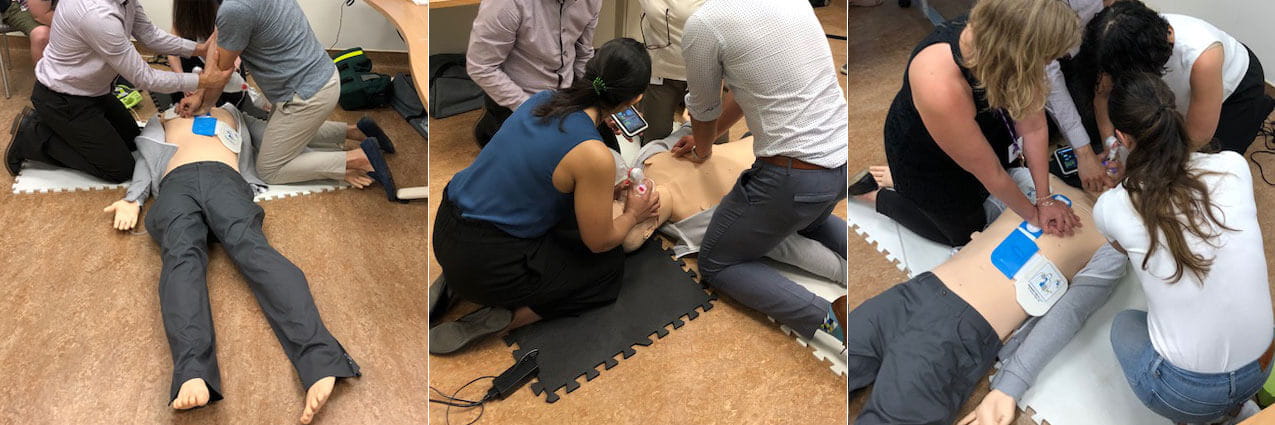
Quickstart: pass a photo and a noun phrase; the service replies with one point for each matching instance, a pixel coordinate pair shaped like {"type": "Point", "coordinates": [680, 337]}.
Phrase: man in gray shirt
{"type": "Point", "coordinates": [279, 48]}
{"type": "Point", "coordinates": [77, 122]}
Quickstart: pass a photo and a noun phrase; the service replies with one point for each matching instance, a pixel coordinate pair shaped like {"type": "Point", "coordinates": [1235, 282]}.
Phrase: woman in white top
{"type": "Point", "coordinates": [1217, 80]}
{"type": "Point", "coordinates": [1188, 222]}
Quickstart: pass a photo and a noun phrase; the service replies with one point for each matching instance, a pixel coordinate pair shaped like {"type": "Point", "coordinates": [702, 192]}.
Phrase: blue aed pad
{"type": "Point", "coordinates": [205, 126]}
{"type": "Point", "coordinates": [1013, 252]}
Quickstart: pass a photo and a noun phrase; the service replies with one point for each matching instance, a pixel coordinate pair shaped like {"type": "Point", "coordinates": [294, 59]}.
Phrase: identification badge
{"type": "Point", "coordinates": [1039, 285]}
{"type": "Point", "coordinates": [229, 137]}
{"type": "Point", "coordinates": [1015, 149]}
{"type": "Point", "coordinates": [657, 81]}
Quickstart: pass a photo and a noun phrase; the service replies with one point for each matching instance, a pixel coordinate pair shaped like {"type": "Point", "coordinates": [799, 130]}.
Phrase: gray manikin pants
{"type": "Point", "coordinates": [203, 198]}
{"type": "Point", "coordinates": [767, 204]}
{"type": "Point", "coordinates": [299, 124]}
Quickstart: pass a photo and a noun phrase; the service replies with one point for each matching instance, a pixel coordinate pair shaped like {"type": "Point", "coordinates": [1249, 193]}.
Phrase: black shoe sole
{"type": "Point", "coordinates": [451, 337]}
{"type": "Point", "coordinates": [863, 183]}
{"type": "Point", "coordinates": [9, 165]}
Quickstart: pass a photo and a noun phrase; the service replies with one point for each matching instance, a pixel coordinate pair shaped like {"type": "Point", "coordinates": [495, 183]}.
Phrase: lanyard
{"type": "Point", "coordinates": [1015, 143]}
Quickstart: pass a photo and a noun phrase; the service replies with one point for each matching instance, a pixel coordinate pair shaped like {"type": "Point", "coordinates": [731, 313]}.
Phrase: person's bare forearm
{"type": "Point", "coordinates": [620, 228]}
{"type": "Point", "coordinates": [731, 113]}
{"type": "Point", "coordinates": [704, 131]}
{"type": "Point", "coordinates": [1035, 133]}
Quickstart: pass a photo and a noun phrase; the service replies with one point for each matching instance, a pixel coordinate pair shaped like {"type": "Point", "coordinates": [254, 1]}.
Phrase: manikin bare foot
{"type": "Point", "coordinates": [316, 397]}
{"type": "Point", "coordinates": [193, 393]}
{"type": "Point", "coordinates": [881, 174]}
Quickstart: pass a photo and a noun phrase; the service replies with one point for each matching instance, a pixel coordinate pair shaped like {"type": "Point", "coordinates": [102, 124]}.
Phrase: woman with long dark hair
{"type": "Point", "coordinates": [527, 230]}
{"type": "Point", "coordinates": [1188, 222]}
{"type": "Point", "coordinates": [1217, 80]}
{"type": "Point", "coordinates": [196, 20]}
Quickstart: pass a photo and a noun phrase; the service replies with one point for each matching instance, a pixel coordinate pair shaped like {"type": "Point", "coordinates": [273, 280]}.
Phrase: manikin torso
{"type": "Point", "coordinates": [971, 275]}
{"type": "Point", "coordinates": [687, 188]}
{"type": "Point", "coordinates": [192, 147]}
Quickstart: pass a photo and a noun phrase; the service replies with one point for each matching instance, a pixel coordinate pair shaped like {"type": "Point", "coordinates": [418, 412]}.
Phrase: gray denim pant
{"type": "Point", "coordinates": [203, 198]}
{"type": "Point", "coordinates": [767, 204]}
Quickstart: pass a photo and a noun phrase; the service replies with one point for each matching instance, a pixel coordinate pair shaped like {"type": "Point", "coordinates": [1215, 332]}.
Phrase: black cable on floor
{"type": "Point", "coordinates": [453, 401]}
{"type": "Point", "coordinates": [1267, 132]}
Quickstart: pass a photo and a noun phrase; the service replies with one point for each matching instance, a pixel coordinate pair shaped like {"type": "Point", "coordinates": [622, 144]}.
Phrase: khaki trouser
{"type": "Point", "coordinates": [296, 125]}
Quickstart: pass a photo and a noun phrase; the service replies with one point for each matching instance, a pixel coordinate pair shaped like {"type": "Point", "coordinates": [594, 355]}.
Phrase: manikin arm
{"type": "Point", "coordinates": [1030, 349]}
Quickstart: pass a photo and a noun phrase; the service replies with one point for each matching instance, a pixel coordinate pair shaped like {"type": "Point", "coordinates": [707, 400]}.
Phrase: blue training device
{"type": "Point", "coordinates": [205, 126]}
{"type": "Point", "coordinates": [1019, 246]}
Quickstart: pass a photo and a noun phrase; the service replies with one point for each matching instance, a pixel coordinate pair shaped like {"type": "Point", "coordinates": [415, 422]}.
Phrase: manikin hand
{"type": "Point", "coordinates": [125, 214]}
{"type": "Point", "coordinates": [997, 408]}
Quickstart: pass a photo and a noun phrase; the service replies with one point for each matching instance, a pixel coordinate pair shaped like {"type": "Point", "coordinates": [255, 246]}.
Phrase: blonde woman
{"type": "Point", "coordinates": [971, 89]}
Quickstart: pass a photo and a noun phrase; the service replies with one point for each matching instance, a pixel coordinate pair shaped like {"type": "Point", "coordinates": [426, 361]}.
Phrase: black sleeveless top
{"type": "Point", "coordinates": [922, 172]}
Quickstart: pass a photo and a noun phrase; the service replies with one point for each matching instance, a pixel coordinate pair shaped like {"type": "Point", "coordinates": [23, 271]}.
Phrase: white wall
{"type": "Point", "coordinates": [361, 26]}
{"type": "Point", "coordinates": [1246, 20]}
{"type": "Point", "coordinates": [449, 27]}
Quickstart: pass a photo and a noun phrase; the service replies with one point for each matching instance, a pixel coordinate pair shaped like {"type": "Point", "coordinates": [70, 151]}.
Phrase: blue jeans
{"type": "Point", "coordinates": [767, 204]}
{"type": "Point", "coordinates": [1175, 393]}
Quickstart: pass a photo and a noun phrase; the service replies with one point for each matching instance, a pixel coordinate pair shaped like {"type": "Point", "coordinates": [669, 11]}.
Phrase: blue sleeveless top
{"type": "Point", "coordinates": [510, 184]}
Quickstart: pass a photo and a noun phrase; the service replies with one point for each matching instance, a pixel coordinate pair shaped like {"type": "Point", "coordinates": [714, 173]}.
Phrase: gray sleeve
{"type": "Point", "coordinates": [1029, 350]}
{"type": "Point", "coordinates": [234, 27]}
{"type": "Point", "coordinates": [1063, 109]}
{"type": "Point", "coordinates": [139, 188]}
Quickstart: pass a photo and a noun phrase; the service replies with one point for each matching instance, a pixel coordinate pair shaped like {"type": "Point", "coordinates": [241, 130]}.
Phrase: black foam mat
{"type": "Point", "coordinates": [654, 293]}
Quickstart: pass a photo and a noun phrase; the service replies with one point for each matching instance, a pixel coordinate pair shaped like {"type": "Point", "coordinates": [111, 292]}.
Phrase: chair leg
{"type": "Point", "coordinates": [4, 67]}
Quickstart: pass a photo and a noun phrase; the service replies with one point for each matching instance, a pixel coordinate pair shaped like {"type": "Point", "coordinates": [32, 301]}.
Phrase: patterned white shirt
{"type": "Point", "coordinates": [774, 57]}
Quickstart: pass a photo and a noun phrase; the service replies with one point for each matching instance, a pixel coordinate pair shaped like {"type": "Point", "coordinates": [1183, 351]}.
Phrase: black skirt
{"type": "Point", "coordinates": [1245, 110]}
{"type": "Point", "coordinates": [554, 274]}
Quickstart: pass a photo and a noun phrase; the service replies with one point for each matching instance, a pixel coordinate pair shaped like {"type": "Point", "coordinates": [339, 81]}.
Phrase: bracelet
{"type": "Point", "coordinates": [1044, 198]}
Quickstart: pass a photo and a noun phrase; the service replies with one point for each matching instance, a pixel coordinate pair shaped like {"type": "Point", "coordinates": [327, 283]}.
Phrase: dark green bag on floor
{"type": "Point", "coordinates": [364, 90]}
{"type": "Point", "coordinates": [352, 60]}
{"type": "Point", "coordinates": [360, 87]}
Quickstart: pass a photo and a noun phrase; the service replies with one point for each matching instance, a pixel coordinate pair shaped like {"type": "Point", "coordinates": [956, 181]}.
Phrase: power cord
{"type": "Point", "coordinates": [501, 386]}
{"type": "Point", "coordinates": [1267, 131]}
{"type": "Point", "coordinates": [340, 23]}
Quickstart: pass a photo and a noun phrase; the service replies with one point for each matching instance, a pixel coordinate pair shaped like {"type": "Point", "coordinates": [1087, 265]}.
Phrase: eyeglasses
{"type": "Point", "coordinates": [668, 33]}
